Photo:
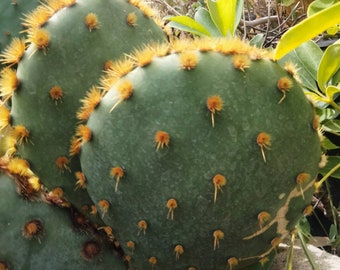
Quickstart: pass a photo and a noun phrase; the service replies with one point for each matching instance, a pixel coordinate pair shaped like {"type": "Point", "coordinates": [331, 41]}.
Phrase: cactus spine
{"type": "Point", "coordinates": [205, 156]}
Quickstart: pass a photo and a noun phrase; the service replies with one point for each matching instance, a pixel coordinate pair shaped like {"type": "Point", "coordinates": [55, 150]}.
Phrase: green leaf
{"type": "Point", "coordinates": [319, 5]}
{"type": "Point", "coordinates": [328, 145]}
{"type": "Point", "coordinates": [329, 65]}
{"type": "Point", "coordinates": [307, 29]}
{"type": "Point", "coordinates": [187, 24]}
{"type": "Point", "coordinates": [331, 91]}
{"type": "Point", "coordinates": [223, 14]}
{"type": "Point", "coordinates": [332, 161]}
{"type": "Point", "coordinates": [331, 125]}
{"type": "Point", "coordinates": [307, 58]}
{"type": "Point", "coordinates": [202, 16]}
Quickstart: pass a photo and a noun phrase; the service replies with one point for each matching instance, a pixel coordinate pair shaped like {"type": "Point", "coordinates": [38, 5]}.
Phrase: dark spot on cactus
{"type": "Point", "coordinates": [219, 181]}
{"type": "Point", "coordinates": [79, 221]}
{"type": "Point", "coordinates": [91, 21]}
{"type": "Point", "coordinates": [241, 62]}
{"type": "Point", "coordinates": [142, 226]}
{"type": "Point", "coordinates": [131, 19]}
{"type": "Point", "coordinates": [162, 139]}
{"type": "Point", "coordinates": [178, 250]}
{"type": "Point", "coordinates": [214, 104]}
{"type": "Point", "coordinates": [153, 261]}
{"type": "Point", "coordinates": [14, 52]}
{"type": "Point", "coordinates": [171, 204]}
{"type": "Point", "coordinates": [117, 173]}
{"type": "Point", "coordinates": [263, 218]}
{"type": "Point", "coordinates": [125, 89]}
{"type": "Point", "coordinates": [188, 60]}
{"type": "Point", "coordinates": [90, 250]}
{"type": "Point", "coordinates": [218, 235]}
{"type": "Point", "coordinates": [263, 141]}
{"type": "Point", "coordinates": [56, 93]}
{"type": "Point", "coordinates": [62, 163]}
{"type": "Point", "coordinates": [284, 84]}
{"type": "Point", "coordinates": [104, 206]}
{"type": "Point", "coordinates": [33, 229]}
{"type": "Point", "coordinates": [232, 262]}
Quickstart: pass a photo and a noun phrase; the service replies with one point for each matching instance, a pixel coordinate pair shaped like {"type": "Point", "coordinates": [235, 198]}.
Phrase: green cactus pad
{"type": "Point", "coordinates": [11, 13]}
{"type": "Point", "coordinates": [205, 157]}
{"type": "Point", "coordinates": [37, 236]}
{"type": "Point", "coordinates": [66, 57]}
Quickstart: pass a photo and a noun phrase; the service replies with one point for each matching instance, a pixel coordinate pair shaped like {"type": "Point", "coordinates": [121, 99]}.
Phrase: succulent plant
{"type": "Point", "coordinates": [11, 28]}
{"type": "Point", "coordinates": [203, 156]}
{"type": "Point", "coordinates": [37, 230]}
{"type": "Point", "coordinates": [71, 42]}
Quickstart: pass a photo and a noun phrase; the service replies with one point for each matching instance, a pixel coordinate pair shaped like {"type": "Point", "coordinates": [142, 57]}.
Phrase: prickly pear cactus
{"type": "Point", "coordinates": [32, 231]}
{"type": "Point", "coordinates": [71, 43]}
{"type": "Point", "coordinates": [11, 13]}
{"type": "Point", "coordinates": [202, 157]}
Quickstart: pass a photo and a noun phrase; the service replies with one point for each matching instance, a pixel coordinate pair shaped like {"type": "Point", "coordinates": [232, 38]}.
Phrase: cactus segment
{"type": "Point", "coordinates": [34, 231]}
{"type": "Point", "coordinates": [12, 43]}
{"type": "Point", "coordinates": [70, 42]}
{"type": "Point", "coordinates": [222, 184]}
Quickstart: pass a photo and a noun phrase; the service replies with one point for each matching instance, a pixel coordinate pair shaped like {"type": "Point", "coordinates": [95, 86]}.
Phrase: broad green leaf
{"type": "Point", "coordinates": [306, 57]}
{"type": "Point", "coordinates": [329, 65]}
{"type": "Point", "coordinates": [328, 145]}
{"type": "Point", "coordinates": [202, 16]}
{"type": "Point", "coordinates": [223, 14]}
{"type": "Point", "coordinates": [316, 97]}
{"type": "Point", "coordinates": [187, 24]}
{"type": "Point", "coordinates": [332, 161]}
{"type": "Point", "coordinates": [331, 125]}
{"type": "Point", "coordinates": [331, 91]}
{"type": "Point", "coordinates": [319, 5]}
{"type": "Point", "coordinates": [325, 114]}
{"type": "Point", "coordinates": [307, 29]}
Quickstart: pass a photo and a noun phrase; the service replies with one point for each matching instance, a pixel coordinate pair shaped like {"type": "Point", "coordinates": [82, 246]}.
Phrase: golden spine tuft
{"type": "Point", "coordinates": [14, 52]}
